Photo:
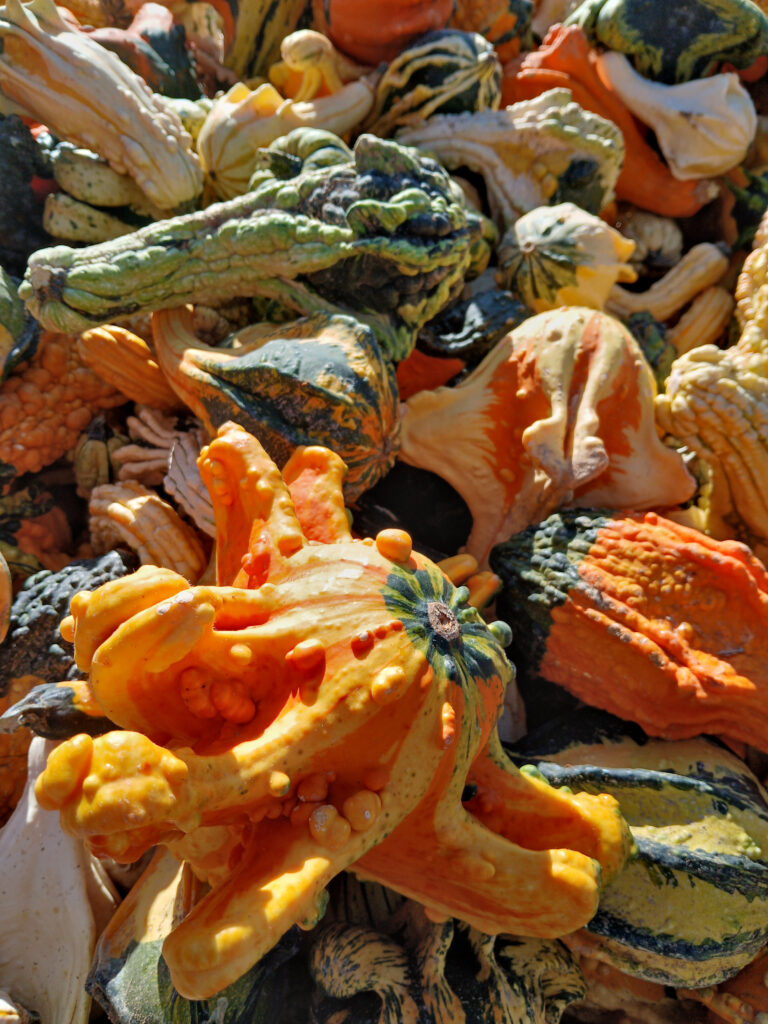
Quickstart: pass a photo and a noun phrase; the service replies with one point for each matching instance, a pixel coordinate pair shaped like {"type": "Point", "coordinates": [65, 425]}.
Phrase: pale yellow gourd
{"type": "Point", "coordinates": [243, 120]}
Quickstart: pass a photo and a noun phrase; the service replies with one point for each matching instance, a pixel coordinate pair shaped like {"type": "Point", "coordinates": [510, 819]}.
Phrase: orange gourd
{"type": "Point", "coordinates": [322, 706]}
{"type": "Point", "coordinates": [377, 30]}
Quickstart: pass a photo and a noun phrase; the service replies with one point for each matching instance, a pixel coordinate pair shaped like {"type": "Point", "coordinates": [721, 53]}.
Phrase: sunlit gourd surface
{"type": "Point", "coordinates": [384, 511]}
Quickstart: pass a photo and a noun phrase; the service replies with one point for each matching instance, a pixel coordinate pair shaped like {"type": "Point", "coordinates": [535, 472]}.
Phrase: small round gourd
{"type": "Point", "coordinates": [563, 256]}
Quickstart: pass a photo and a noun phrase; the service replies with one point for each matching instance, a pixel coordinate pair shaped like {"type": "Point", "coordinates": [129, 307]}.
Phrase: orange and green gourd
{"type": "Point", "coordinates": [322, 706]}
{"type": "Point", "coordinates": [650, 620]}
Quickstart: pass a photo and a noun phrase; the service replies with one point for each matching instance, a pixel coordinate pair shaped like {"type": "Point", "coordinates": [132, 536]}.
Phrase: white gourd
{"type": "Point", "coordinates": [704, 127]}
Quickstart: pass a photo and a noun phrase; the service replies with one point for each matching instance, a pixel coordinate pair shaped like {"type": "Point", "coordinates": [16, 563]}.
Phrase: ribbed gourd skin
{"type": "Point", "coordinates": [690, 909]}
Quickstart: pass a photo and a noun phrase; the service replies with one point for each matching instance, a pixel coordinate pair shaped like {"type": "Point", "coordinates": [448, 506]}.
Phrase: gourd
{"type": "Point", "coordinates": [565, 60]}
{"type": "Point", "coordinates": [243, 120]}
{"type": "Point", "coordinates": [44, 59]}
{"type": "Point", "coordinates": [380, 30]}
{"type": "Point", "coordinates": [311, 66]}
{"type": "Point", "coordinates": [658, 240]}
{"type": "Point", "coordinates": [18, 331]}
{"type": "Point", "coordinates": [470, 327]}
{"type": "Point", "coordinates": [129, 978]}
{"type": "Point", "coordinates": [704, 127]}
{"type": "Point", "coordinates": [506, 24]}
{"type": "Point", "coordinates": [318, 380]}
{"type": "Point", "coordinates": [445, 72]}
{"type": "Point", "coordinates": [560, 256]}
{"type": "Point", "coordinates": [630, 614]}
{"type": "Point", "coordinates": [687, 912]}
{"type": "Point", "coordinates": [47, 401]}
{"type": "Point", "coordinates": [21, 226]}
{"type": "Point", "coordinates": [711, 397]}
{"type": "Point", "coordinates": [254, 30]}
{"type": "Point", "coordinates": [35, 652]}
{"type": "Point", "coordinates": [676, 44]}
{"type": "Point", "coordinates": [559, 411]}
{"type": "Point", "coordinates": [45, 956]}
{"type": "Point", "coordinates": [333, 662]}
{"type": "Point", "coordinates": [413, 969]}
{"type": "Point", "coordinates": [323, 227]}
{"type": "Point", "coordinates": [702, 266]}
{"type": "Point", "coordinates": [745, 995]}
{"type": "Point", "coordinates": [125, 361]}
{"type": "Point", "coordinates": [133, 515]}
{"type": "Point", "coordinates": [537, 152]}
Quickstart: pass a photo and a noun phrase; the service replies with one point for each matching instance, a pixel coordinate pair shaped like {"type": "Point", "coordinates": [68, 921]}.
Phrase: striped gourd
{"type": "Point", "coordinates": [690, 909]}
{"type": "Point", "coordinates": [443, 72]}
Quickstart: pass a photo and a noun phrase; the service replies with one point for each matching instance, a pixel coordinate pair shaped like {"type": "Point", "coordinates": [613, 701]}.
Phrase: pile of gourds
{"type": "Point", "coordinates": [384, 511]}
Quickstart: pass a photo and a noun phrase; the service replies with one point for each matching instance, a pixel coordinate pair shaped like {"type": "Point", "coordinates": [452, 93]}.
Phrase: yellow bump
{"type": "Point", "coordinates": [279, 783]}
{"type": "Point", "coordinates": [240, 653]}
{"type": "Point", "coordinates": [396, 545]}
{"type": "Point", "coordinates": [390, 684]}
{"type": "Point", "coordinates": [448, 725]}
{"type": "Point", "coordinates": [475, 867]}
{"type": "Point", "coordinates": [328, 828]}
{"type": "Point", "coordinates": [67, 766]}
{"type": "Point", "coordinates": [313, 787]}
{"type": "Point", "coordinates": [307, 655]}
{"type": "Point", "coordinates": [67, 629]}
{"type": "Point", "coordinates": [362, 809]}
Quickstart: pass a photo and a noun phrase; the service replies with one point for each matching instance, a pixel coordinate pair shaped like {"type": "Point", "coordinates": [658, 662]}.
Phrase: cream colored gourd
{"type": "Point", "coordinates": [54, 901]}
{"type": "Point", "coordinates": [704, 127]}
{"type": "Point", "coordinates": [85, 94]}
{"type": "Point", "coordinates": [243, 120]}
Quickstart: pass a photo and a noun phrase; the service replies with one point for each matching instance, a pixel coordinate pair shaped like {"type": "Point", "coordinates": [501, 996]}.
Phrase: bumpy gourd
{"type": "Point", "coordinates": [563, 256]}
{"type": "Point", "coordinates": [534, 153]}
{"type": "Point", "coordinates": [323, 705]}
{"type": "Point", "coordinates": [85, 94]}
{"type": "Point", "coordinates": [321, 380]}
{"type": "Point", "coordinates": [559, 411]}
{"type": "Point", "coordinates": [47, 401]}
{"type": "Point", "coordinates": [343, 230]}
{"type": "Point", "coordinates": [655, 622]}
{"type": "Point", "coordinates": [715, 403]}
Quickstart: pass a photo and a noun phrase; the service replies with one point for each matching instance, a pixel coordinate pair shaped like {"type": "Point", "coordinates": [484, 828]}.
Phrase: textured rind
{"type": "Point", "coordinates": [86, 94]}
{"type": "Point", "coordinates": [650, 620]}
{"type": "Point", "coordinates": [34, 647]}
{"type": "Point", "coordinates": [526, 152]}
{"type": "Point", "coordinates": [47, 401]}
{"type": "Point", "coordinates": [690, 910]}
{"type": "Point", "coordinates": [348, 675]}
{"type": "Point", "coordinates": [716, 403]}
{"type": "Point", "coordinates": [388, 237]}
{"type": "Point", "coordinates": [690, 44]}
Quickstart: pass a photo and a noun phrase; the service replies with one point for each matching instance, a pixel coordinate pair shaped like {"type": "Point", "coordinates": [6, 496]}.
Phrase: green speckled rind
{"type": "Point", "coordinates": [322, 380]}
{"type": "Point", "coordinates": [676, 42]}
{"type": "Point", "coordinates": [691, 909]}
{"type": "Point", "coordinates": [387, 236]}
{"type": "Point", "coordinates": [137, 988]}
{"type": "Point", "coordinates": [539, 568]}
